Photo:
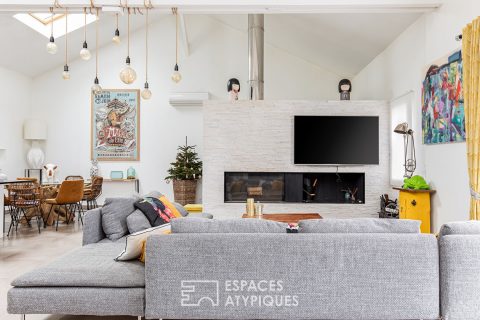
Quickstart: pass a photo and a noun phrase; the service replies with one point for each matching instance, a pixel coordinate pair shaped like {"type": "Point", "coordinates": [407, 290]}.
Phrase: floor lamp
{"type": "Point", "coordinates": [410, 161]}
{"type": "Point", "coordinates": [35, 130]}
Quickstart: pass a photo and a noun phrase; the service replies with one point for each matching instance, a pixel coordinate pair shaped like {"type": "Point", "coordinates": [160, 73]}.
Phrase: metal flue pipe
{"type": "Point", "coordinates": [255, 55]}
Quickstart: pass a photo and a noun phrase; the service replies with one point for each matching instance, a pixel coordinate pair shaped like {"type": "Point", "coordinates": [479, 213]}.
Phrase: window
{"type": "Point", "coordinates": [41, 22]}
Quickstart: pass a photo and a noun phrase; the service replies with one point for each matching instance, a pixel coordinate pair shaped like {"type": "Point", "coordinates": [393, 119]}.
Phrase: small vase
{"type": "Point", "coordinates": [94, 169]}
{"type": "Point", "coordinates": [131, 173]}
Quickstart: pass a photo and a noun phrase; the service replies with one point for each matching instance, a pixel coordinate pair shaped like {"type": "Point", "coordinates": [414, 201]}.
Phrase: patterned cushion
{"type": "Point", "coordinates": [155, 211]}
{"type": "Point", "coordinates": [170, 206]}
{"type": "Point", "coordinates": [199, 225]}
{"type": "Point", "coordinates": [134, 242]}
{"type": "Point", "coordinates": [114, 216]}
{"type": "Point", "coordinates": [360, 225]}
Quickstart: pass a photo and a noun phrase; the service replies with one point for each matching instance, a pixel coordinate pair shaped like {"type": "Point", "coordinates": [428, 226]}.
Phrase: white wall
{"type": "Point", "coordinates": [400, 68]}
{"type": "Point", "coordinates": [217, 53]}
{"type": "Point", "coordinates": [256, 136]}
{"type": "Point", "coordinates": [14, 108]}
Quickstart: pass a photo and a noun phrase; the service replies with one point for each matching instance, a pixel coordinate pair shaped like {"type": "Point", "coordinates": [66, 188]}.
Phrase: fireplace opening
{"type": "Point", "coordinates": [299, 187]}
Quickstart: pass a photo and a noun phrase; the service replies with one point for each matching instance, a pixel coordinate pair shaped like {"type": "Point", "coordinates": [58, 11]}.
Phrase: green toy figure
{"type": "Point", "coordinates": [416, 183]}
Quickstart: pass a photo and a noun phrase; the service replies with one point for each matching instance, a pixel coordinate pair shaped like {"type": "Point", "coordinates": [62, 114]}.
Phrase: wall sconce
{"type": "Point", "coordinates": [410, 162]}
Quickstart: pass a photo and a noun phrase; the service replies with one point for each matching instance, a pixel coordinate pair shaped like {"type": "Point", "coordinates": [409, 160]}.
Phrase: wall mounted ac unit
{"type": "Point", "coordinates": [188, 99]}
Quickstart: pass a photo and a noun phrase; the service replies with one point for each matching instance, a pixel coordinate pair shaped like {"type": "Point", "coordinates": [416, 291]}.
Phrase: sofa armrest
{"type": "Point", "coordinates": [92, 226]}
{"type": "Point", "coordinates": [460, 276]}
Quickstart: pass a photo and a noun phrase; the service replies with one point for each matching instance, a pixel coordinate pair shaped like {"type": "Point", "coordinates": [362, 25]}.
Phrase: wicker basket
{"type": "Point", "coordinates": [184, 191]}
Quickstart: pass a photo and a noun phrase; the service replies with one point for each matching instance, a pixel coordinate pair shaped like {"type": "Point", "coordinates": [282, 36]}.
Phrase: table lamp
{"type": "Point", "coordinates": [410, 163]}
{"type": "Point", "coordinates": [35, 130]}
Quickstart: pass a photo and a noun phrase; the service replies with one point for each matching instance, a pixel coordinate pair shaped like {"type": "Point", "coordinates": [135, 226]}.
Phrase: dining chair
{"type": "Point", "coordinates": [69, 197]}
{"type": "Point", "coordinates": [92, 193]}
{"type": "Point", "coordinates": [24, 200]}
{"type": "Point", "coordinates": [70, 178]}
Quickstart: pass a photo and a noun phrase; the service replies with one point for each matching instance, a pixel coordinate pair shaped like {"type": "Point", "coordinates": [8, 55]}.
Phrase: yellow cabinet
{"type": "Point", "coordinates": [415, 205]}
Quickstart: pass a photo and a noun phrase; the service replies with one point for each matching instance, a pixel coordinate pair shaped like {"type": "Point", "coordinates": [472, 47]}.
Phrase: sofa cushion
{"type": "Point", "coordinates": [155, 211]}
{"type": "Point", "coordinates": [360, 225]}
{"type": "Point", "coordinates": [133, 244]}
{"type": "Point", "coordinates": [199, 225]}
{"type": "Point", "coordinates": [114, 216]}
{"type": "Point", "coordinates": [181, 209]}
{"type": "Point", "coordinates": [460, 227]}
{"type": "Point", "coordinates": [92, 265]}
{"type": "Point", "coordinates": [137, 221]}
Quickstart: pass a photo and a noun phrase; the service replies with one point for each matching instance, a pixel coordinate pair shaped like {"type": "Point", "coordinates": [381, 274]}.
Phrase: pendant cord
{"type": "Point", "coordinates": [176, 34]}
{"type": "Point", "coordinates": [96, 45]}
{"type": "Point", "coordinates": [85, 24]}
{"type": "Point", "coordinates": [53, 16]}
{"type": "Point", "coordinates": [66, 36]}
{"type": "Point", "coordinates": [116, 17]}
{"type": "Point", "coordinates": [128, 33]}
{"type": "Point", "coordinates": [146, 47]}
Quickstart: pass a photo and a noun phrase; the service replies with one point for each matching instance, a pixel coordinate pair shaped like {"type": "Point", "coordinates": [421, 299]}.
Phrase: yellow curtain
{"type": "Point", "coordinates": [471, 90]}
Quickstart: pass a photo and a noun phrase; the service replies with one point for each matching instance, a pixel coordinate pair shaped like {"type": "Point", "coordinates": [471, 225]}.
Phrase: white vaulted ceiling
{"type": "Point", "coordinates": [343, 43]}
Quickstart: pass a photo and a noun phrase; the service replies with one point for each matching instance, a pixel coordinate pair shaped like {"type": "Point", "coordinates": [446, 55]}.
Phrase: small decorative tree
{"type": "Point", "coordinates": [184, 173]}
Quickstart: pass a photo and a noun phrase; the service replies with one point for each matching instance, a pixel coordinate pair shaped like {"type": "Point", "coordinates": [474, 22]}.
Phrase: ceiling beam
{"type": "Point", "coordinates": [239, 6]}
{"type": "Point", "coordinates": [184, 35]}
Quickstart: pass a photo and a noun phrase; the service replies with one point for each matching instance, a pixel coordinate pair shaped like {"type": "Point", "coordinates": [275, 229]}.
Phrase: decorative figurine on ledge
{"type": "Point", "coordinates": [233, 87]}
{"type": "Point", "coordinates": [344, 88]}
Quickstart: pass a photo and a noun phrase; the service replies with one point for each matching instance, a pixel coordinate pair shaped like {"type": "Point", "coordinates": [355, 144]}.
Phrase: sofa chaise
{"type": "Point", "coordinates": [251, 269]}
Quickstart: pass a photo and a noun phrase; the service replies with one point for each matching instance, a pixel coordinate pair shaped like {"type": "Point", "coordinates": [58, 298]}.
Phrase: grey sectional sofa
{"type": "Point", "coordinates": [218, 273]}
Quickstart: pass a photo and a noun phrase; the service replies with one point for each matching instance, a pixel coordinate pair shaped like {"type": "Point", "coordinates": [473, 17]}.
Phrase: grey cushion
{"type": "Point", "coordinates": [460, 227]}
{"type": "Point", "coordinates": [360, 225]}
{"type": "Point", "coordinates": [201, 225]}
{"type": "Point", "coordinates": [92, 265]}
{"type": "Point", "coordinates": [92, 227]}
{"type": "Point", "coordinates": [153, 194]}
{"type": "Point", "coordinates": [180, 209]}
{"type": "Point", "coordinates": [137, 221]}
{"type": "Point", "coordinates": [114, 216]}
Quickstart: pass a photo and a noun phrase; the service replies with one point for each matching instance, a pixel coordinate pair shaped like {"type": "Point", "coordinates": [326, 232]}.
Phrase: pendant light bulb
{"type": "Point", "coordinates": [65, 73]}
{"type": "Point", "coordinates": [128, 75]}
{"type": "Point", "coordinates": [176, 76]}
{"type": "Point", "coordinates": [52, 46]}
{"type": "Point", "coordinates": [146, 93]}
{"type": "Point", "coordinates": [96, 88]}
{"type": "Point", "coordinates": [85, 53]}
{"type": "Point", "coordinates": [116, 37]}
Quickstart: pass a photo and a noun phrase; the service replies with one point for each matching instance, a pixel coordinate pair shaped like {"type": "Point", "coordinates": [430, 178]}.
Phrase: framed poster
{"type": "Point", "coordinates": [115, 125]}
{"type": "Point", "coordinates": [443, 116]}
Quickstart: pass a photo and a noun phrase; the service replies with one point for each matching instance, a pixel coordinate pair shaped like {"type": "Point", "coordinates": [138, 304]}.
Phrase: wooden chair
{"type": "Point", "coordinates": [69, 197]}
{"type": "Point", "coordinates": [92, 193]}
{"type": "Point", "coordinates": [22, 198]}
{"type": "Point", "coordinates": [70, 178]}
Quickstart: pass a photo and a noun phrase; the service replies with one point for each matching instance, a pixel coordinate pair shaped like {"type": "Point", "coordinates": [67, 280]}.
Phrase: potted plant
{"type": "Point", "coordinates": [185, 172]}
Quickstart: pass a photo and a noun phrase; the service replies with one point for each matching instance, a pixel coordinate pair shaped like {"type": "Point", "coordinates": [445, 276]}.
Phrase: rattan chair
{"type": "Point", "coordinates": [92, 193]}
{"type": "Point", "coordinates": [69, 197]}
{"type": "Point", "coordinates": [70, 178]}
{"type": "Point", "coordinates": [23, 197]}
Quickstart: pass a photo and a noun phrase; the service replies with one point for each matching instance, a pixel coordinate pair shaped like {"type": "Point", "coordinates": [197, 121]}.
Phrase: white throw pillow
{"type": "Point", "coordinates": [134, 241]}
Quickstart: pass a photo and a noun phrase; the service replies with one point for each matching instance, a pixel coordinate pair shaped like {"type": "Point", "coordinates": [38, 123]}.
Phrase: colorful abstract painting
{"type": "Point", "coordinates": [443, 117]}
{"type": "Point", "coordinates": [116, 125]}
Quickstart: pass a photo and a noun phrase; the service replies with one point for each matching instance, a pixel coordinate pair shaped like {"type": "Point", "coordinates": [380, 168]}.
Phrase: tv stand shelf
{"type": "Point", "coordinates": [295, 187]}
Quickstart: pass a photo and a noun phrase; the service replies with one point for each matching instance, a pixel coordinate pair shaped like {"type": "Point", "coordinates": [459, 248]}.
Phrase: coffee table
{"type": "Point", "coordinates": [286, 217]}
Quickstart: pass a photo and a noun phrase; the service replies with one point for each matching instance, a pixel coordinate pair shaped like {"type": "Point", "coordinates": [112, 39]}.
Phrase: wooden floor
{"type": "Point", "coordinates": [27, 250]}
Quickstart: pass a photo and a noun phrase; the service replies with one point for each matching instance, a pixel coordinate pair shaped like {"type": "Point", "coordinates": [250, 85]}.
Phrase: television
{"type": "Point", "coordinates": [336, 140]}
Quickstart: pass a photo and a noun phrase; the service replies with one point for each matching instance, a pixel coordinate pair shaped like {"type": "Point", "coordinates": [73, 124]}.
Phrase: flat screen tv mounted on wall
{"type": "Point", "coordinates": [336, 140]}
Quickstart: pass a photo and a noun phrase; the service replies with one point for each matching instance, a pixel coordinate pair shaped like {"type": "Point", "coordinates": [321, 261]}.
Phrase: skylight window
{"type": "Point", "coordinates": [41, 22]}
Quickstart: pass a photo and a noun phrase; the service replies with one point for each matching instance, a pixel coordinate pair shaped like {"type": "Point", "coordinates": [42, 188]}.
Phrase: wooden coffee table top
{"type": "Point", "coordinates": [286, 217]}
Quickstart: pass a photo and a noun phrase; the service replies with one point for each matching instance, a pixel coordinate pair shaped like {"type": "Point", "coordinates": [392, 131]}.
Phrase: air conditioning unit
{"type": "Point", "coordinates": [188, 99]}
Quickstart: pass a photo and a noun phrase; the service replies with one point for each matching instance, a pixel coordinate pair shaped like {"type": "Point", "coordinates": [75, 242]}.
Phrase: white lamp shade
{"type": "Point", "coordinates": [34, 129]}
